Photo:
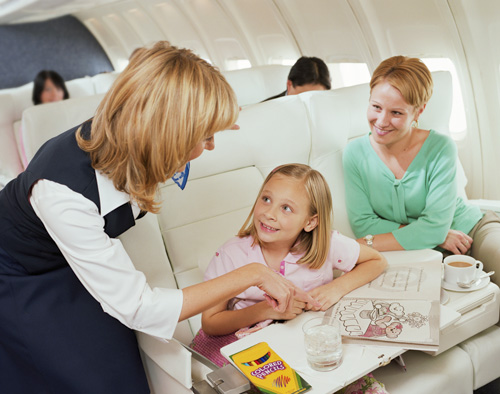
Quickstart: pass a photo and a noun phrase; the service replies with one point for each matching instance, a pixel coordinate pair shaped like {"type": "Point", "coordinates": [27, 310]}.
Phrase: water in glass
{"type": "Point", "coordinates": [323, 345]}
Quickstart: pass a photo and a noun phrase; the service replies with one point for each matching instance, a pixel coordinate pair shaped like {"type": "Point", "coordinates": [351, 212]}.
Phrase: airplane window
{"type": "Point", "coordinates": [458, 122]}
{"type": "Point", "coordinates": [348, 74]}
{"type": "Point", "coordinates": [237, 64]}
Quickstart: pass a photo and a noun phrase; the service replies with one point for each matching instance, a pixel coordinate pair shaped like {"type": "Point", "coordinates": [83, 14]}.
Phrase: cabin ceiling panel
{"type": "Point", "coordinates": [121, 28]}
{"type": "Point", "coordinates": [143, 26]}
{"type": "Point", "coordinates": [326, 28]}
{"type": "Point", "coordinates": [417, 28]}
{"type": "Point", "coordinates": [123, 31]}
{"type": "Point", "coordinates": [115, 52]}
{"type": "Point", "coordinates": [111, 29]}
{"type": "Point", "coordinates": [265, 28]}
{"type": "Point", "coordinates": [224, 40]}
{"type": "Point", "coordinates": [177, 27]}
{"type": "Point", "coordinates": [433, 40]}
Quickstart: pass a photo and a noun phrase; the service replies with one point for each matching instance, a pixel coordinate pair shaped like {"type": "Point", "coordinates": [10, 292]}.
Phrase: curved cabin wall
{"type": "Point", "coordinates": [235, 34]}
{"type": "Point", "coordinates": [61, 44]}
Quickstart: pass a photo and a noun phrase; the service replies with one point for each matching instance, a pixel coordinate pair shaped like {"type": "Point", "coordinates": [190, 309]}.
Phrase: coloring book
{"type": "Point", "coordinates": [401, 306]}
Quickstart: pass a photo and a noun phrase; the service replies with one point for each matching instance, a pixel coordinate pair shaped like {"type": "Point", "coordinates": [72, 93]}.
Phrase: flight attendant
{"type": "Point", "coordinates": [69, 294]}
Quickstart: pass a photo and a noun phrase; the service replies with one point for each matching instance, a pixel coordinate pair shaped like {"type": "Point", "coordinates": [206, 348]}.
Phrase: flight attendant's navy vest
{"type": "Point", "coordinates": [22, 234]}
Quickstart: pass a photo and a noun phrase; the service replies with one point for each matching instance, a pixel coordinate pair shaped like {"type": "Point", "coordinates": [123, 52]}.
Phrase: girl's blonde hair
{"type": "Point", "coordinates": [407, 74]}
{"type": "Point", "coordinates": [165, 102]}
{"type": "Point", "coordinates": [316, 243]}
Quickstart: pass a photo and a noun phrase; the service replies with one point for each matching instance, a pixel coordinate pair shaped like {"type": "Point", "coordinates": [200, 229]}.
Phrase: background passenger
{"type": "Point", "coordinates": [401, 190]}
{"type": "Point", "coordinates": [49, 87]}
{"type": "Point", "coordinates": [308, 73]}
{"type": "Point", "coordinates": [69, 293]}
{"type": "Point", "coordinates": [289, 231]}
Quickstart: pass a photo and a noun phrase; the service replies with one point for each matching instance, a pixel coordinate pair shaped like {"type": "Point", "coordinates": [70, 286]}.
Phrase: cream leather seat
{"type": "Point", "coordinates": [174, 247]}
{"type": "Point", "coordinates": [14, 101]}
{"type": "Point", "coordinates": [252, 85]}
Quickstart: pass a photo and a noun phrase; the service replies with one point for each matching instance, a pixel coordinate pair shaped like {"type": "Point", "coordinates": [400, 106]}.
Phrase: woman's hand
{"type": "Point", "coordinates": [281, 293]}
{"type": "Point", "coordinates": [457, 242]}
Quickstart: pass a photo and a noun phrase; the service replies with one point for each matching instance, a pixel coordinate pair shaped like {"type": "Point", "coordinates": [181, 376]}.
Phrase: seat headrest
{"type": "Point", "coordinates": [252, 85]}
{"type": "Point", "coordinates": [42, 122]}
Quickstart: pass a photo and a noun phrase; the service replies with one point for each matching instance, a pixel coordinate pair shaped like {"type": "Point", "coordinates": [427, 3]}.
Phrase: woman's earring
{"type": "Point", "coordinates": [414, 124]}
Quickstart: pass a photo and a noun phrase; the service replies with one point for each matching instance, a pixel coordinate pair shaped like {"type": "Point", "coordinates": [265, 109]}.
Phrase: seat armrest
{"type": "Point", "coordinates": [170, 356]}
{"type": "Point", "coordinates": [487, 205]}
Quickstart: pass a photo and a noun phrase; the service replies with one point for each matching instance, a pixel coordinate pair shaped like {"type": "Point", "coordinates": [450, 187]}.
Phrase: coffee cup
{"type": "Point", "coordinates": [460, 268]}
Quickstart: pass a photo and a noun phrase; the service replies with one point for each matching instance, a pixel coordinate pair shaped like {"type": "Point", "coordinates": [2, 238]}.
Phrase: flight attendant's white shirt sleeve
{"type": "Point", "coordinates": [100, 262]}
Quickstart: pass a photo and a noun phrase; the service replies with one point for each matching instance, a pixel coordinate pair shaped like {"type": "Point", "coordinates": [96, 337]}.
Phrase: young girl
{"type": "Point", "coordinates": [288, 230]}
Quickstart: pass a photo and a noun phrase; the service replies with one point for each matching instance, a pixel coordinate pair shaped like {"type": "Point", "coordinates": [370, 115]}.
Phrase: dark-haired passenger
{"type": "Point", "coordinates": [308, 73]}
{"type": "Point", "coordinates": [49, 87]}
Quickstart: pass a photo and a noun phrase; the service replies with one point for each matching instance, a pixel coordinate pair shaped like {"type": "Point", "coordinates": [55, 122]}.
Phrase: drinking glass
{"type": "Point", "coordinates": [323, 343]}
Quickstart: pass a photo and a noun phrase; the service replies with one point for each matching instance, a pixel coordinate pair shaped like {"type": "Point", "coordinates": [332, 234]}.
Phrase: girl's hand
{"type": "Point", "coordinates": [295, 308]}
{"type": "Point", "coordinates": [280, 292]}
{"type": "Point", "coordinates": [326, 296]}
{"type": "Point", "coordinates": [457, 242]}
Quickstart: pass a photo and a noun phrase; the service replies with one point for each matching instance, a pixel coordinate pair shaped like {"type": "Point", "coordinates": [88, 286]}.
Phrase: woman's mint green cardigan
{"type": "Point", "coordinates": [425, 199]}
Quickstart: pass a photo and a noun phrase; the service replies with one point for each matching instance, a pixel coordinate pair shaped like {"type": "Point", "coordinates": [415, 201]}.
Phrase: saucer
{"type": "Point", "coordinates": [445, 297]}
{"type": "Point", "coordinates": [454, 287]}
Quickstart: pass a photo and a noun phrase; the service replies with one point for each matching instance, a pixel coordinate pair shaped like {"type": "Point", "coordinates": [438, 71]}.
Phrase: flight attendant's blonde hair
{"type": "Point", "coordinates": [165, 102]}
{"type": "Point", "coordinates": [315, 243]}
{"type": "Point", "coordinates": [407, 74]}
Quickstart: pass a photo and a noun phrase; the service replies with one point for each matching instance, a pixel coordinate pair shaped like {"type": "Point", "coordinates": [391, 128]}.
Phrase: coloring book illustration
{"type": "Point", "coordinates": [401, 306]}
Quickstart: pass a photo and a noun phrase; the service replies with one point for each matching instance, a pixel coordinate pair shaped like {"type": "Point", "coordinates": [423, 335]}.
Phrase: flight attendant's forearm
{"type": "Point", "coordinates": [280, 292]}
{"type": "Point", "coordinates": [204, 295]}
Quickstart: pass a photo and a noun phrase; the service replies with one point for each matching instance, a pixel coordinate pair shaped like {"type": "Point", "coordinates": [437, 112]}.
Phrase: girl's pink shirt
{"type": "Point", "coordinates": [237, 252]}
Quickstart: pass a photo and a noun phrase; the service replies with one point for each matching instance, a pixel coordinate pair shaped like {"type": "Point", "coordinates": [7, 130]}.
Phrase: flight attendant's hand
{"type": "Point", "coordinates": [280, 292]}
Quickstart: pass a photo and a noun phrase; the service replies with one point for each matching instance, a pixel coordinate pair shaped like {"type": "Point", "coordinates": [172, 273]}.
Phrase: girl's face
{"type": "Point", "coordinates": [389, 115]}
{"type": "Point", "coordinates": [51, 93]}
{"type": "Point", "coordinates": [206, 144]}
{"type": "Point", "coordinates": [282, 211]}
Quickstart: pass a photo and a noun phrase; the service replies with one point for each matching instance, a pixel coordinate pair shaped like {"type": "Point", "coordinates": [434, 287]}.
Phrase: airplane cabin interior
{"type": "Point", "coordinates": [254, 44]}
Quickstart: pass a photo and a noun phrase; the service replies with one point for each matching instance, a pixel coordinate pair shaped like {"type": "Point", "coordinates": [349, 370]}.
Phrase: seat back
{"type": "Point", "coordinates": [224, 183]}
{"type": "Point", "coordinates": [10, 161]}
{"type": "Point", "coordinates": [14, 101]}
{"type": "Point", "coordinates": [42, 122]}
{"type": "Point", "coordinates": [252, 85]}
